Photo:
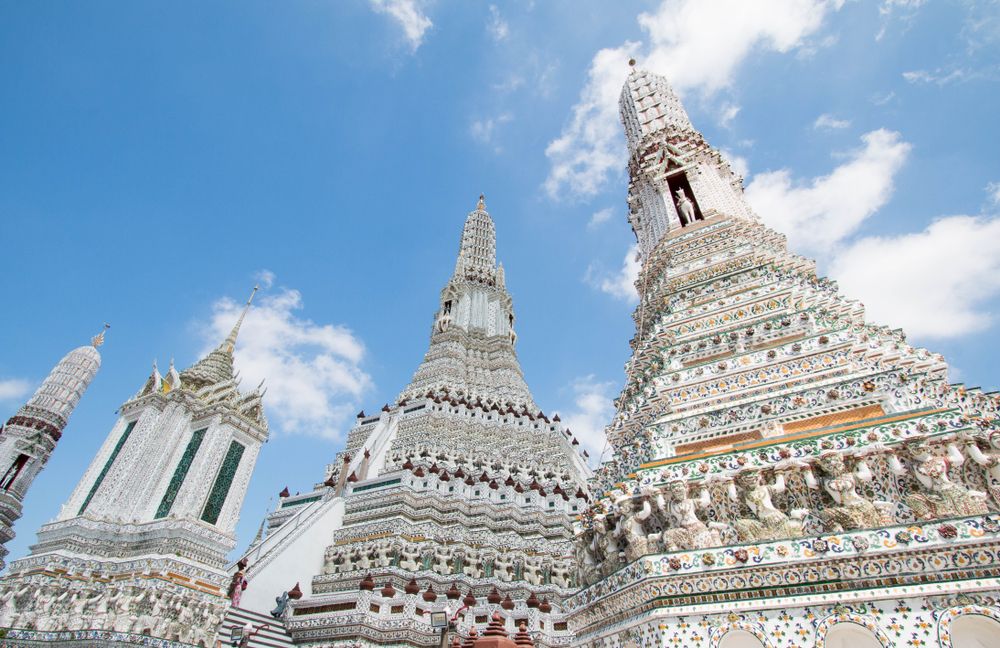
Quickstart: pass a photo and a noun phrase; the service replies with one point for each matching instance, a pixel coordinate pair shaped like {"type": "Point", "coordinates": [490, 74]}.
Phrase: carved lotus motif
{"type": "Point", "coordinates": [819, 545]}
{"type": "Point", "coordinates": [868, 386]}
{"type": "Point", "coordinates": [675, 563]}
{"type": "Point", "coordinates": [904, 537]}
{"type": "Point", "coordinates": [708, 559]}
{"type": "Point", "coordinates": [741, 555]}
{"type": "Point", "coordinates": [860, 543]}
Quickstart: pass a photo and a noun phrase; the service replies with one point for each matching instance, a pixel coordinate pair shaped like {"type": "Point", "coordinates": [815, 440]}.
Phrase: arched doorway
{"type": "Point", "coordinates": [851, 635]}
{"type": "Point", "coordinates": [975, 631]}
{"type": "Point", "coordinates": [740, 639]}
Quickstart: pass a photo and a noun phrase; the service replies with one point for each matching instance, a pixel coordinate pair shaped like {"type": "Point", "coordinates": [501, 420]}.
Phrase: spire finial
{"type": "Point", "coordinates": [230, 342]}
{"type": "Point", "coordinates": [98, 339]}
{"type": "Point", "coordinates": [482, 203]}
{"type": "Point", "coordinates": [631, 62]}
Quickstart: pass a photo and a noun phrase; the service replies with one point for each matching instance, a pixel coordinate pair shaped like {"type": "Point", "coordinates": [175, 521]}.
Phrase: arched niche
{"type": "Point", "coordinates": [740, 639]}
{"type": "Point", "coordinates": [975, 631]}
{"type": "Point", "coordinates": [847, 634]}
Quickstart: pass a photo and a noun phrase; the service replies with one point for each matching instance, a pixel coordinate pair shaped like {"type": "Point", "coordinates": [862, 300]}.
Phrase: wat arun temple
{"type": "Point", "coordinates": [783, 473]}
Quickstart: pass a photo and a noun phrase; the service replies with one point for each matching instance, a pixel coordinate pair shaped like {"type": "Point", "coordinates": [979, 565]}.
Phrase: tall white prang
{"type": "Point", "coordinates": [29, 437]}
{"type": "Point", "coordinates": [785, 473]}
{"type": "Point", "coordinates": [140, 546]}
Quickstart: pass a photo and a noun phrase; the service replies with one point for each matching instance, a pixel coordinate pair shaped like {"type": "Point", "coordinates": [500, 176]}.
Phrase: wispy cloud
{"type": "Point", "coordinates": [497, 27]}
{"type": "Point", "coordinates": [484, 130]}
{"type": "Point", "coordinates": [819, 213]}
{"type": "Point", "coordinates": [921, 281]}
{"type": "Point", "coordinates": [697, 45]}
{"type": "Point", "coordinates": [891, 11]}
{"type": "Point", "coordinates": [600, 217]}
{"type": "Point", "coordinates": [265, 278]}
{"type": "Point", "coordinates": [592, 410]}
{"type": "Point", "coordinates": [14, 389]}
{"type": "Point", "coordinates": [826, 121]}
{"type": "Point", "coordinates": [313, 371]}
{"type": "Point", "coordinates": [410, 17]}
{"type": "Point", "coordinates": [727, 114]}
{"type": "Point", "coordinates": [993, 192]}
{"type": "Point", "coordinates": [621, 283]}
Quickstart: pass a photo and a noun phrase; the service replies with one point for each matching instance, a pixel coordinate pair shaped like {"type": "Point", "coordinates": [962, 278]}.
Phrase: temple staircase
{"type": "Point", "coordinates": [273, 635]}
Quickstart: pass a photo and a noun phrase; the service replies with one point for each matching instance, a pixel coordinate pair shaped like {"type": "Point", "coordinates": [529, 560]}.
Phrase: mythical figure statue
{"type": "Point", "coordinates": [632, 514]}
{"type": "Point", "coordinates": [941, 497]}
{"type": "Point", "coordinates": [607, 545]}
{"type": "Point", "coordinates": [685, 207]}
{"type": "Point", "coordinates": [853, 511]}
{"type": "Point", "coordinates": [442, 560]}
{"type": "Point", "coordinates": [472, 564]}
{"type": "Point", "coordinates": [771, 523]}
{"type": "Point", "coordinates": [282, 606]}
{"type": "Point", "coordinates": [686, 530]}
{"type": "Point", "coordinates": [533, 570]}
{"type": "Point", "coordinates": [988, 460]}
{"type": "Point", "coordinates": [587, 558]}
{"type": "Point", "coordinates": [503, 566]}
{"type": "Point", "coordinates": [409, 555]}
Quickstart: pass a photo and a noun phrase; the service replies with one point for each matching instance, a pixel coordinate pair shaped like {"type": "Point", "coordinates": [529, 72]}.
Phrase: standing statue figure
{"type": "Point", "coordinates": [607, 545]}
{"type": "Point", "coordinates": [471, 565]}
{"type": "Point", "coordinates": [941, 497]}
{"type": "Point", "coordinates": [408, 557]}
{"type": "Point", "coordinates": [686, 530]}
{"type": "Point", "coordinates": [853, 511]}
{"type": "Point", "coordinates": [685, 207]}
{"type": "Point", "coordinates": [503, 567]}
{"type": "Point", "coordinates": [238, 583]}
{"type": "Point", "coordinates": [632, 515]}
{"type": "Point", "coordinates": [771, 523]}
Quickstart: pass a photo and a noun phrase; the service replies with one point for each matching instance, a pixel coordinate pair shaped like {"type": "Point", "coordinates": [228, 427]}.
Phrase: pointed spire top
{"type": "Point", "coordinates": [481, 205]}
{"type": "Point", "coordinates": [631, 62]}
{"type": "Point", "coordinates": [230, 343]}
{"type": "Point", "coordinates": [98, 339]}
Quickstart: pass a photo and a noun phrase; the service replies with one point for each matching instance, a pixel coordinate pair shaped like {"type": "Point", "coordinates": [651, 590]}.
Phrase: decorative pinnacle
{"type": "Point", "coordinates": [631, 62]}
{"type": "Point", "coordinates": [98, 339]}
{"type": "Point", "coordinates": [230, 342]}
{"type": "Point", "coordinates": [481, 206]}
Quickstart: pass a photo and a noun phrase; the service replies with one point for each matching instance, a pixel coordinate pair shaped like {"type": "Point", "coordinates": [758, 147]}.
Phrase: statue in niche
{"type": "Point", "coordinates": [684, 207]}
{"type": "Point", "coordinates": [941, 497]}
{"type": "Point", "coordinates": [632, 514]}
{"type": "Point", "coordinates": [852, 510]}
{"type": "Point", "coordinates": [686, 531]}
{"type": "Point", "coordinates": [561, 575]}
{"type": "Point", "coordinates": [532, 570]}
{"type": "Point", "coordinates": [238, 583]}
{"type": "Point", "coordinates": [771, 523]}
{"type": "Point", "coordinates": [988, 460]}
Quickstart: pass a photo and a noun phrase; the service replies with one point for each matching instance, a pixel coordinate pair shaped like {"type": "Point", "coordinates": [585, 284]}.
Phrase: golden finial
{"type": "Point", "coordinates": [482, 203]}
{"type": "Point", "coordinates": [98, 339]}
{"type": "Point", "coordinates": [631, 62]}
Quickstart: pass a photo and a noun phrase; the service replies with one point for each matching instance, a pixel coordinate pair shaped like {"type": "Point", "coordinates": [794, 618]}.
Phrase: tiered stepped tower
{"type": "Point", "coordinates": [784, 472]}
{"type": "Point", "coordinates": [140, 546]}
{"type": "Point", "coordinates": [29, 437]}
{"type": "Point", "coordinates": [458, 497]}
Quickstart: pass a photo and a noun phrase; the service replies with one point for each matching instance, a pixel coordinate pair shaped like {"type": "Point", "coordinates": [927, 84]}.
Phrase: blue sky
{"type": "Point", "coordinates": [157, 159]}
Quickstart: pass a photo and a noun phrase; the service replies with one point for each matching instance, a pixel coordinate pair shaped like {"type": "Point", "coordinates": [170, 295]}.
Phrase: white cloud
{"type": "Point", "coordinates": [313, 375]}
{"type": "Point", "coordinates": [697, 45]}
{"type": "Point", "coordinates": [934, 283]}
{"type": "Point", "coordinates": [593, 408]}
{"type": "Point", "coordinates": [993, 191]}
{"type": "Point", "coordinates": [14, 389]}
{"type": "Point", "coordinates": [497, 27]}
{"type": "Point", "coordinates": [904, 9]}
{"type": "Point", "coordinates": [826, 121]}
{"type": "Point", "coordinates": [265, 278]}
{"type": "Point", "coordinates": [738, 163]}
{"type": "Point", "coordinates": [600, 217]}
{"type": "Point", "coordinates": [409, 16]}
{"type": "Point", "coordinates": [939, 76]}
{"type": "Point", "coordinates": [484, 130]}
{"type": "Point", "coordinates": [819, 213]}
{"type": "Point", "coordinates": [620, 284]}
{"type": "Point", "coordinates": [728, 113]}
